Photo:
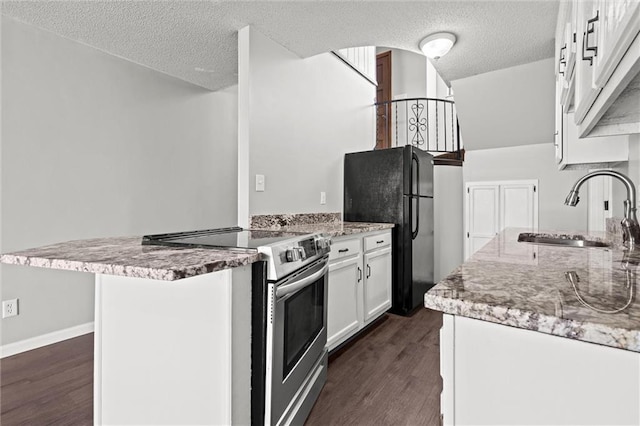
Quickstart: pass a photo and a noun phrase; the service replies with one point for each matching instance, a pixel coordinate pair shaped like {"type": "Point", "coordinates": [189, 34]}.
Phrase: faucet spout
{"type": "Point", "coordinates": [630, 227]}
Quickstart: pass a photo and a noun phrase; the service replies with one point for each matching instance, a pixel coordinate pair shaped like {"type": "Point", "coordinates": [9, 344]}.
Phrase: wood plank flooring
{"type": "Point", "coordinates": [49, 385]}
{"type": "Point", "coordinates": [388, 377]}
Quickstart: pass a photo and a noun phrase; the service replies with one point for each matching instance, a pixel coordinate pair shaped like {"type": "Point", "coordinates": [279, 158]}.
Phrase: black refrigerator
{"type": "Point", "coordinates": [396, 185]}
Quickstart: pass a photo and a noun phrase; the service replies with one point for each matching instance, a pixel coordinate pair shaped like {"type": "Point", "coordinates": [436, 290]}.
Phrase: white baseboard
{"type": "Point", "coordinates": [45, 339]}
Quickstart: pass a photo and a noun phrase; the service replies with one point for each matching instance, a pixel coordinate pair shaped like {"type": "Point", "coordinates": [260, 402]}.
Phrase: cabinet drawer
{"type": "Point", "coordinates": [377, 241]}
{"type": "Point", "coordinates": [344, 248]}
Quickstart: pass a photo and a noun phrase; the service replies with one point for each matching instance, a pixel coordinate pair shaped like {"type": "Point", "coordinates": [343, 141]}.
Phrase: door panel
{"type": "Point", "coordinates": [344, 306]}
{"type": "Point", "coordinates": [494, 206]}
{"type": "Point", "coordinates": [517, 206]}
{"type": "Point", "coordinates": [377, 283]}
{"type": "Point", "coordinates": [383, 94]}
{"type": "Point", "coordinates": [599, 193]}
{"type": "Point", "coordinates": [482, 208]}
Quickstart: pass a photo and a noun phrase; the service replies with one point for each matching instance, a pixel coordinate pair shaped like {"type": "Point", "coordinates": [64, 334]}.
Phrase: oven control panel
{"type": "Point", "coordinates": [295, 254]}
{"type": "Point", "coordinates": [289, 255]}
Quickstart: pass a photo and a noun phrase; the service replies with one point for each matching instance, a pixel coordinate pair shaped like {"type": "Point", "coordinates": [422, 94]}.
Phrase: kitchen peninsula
{"type": "Point", "coordinates": [173, 325]}
{"type": "Point", "coordinates": [172, 328]}
{"type": "Point", "coordinates": [540, 334]}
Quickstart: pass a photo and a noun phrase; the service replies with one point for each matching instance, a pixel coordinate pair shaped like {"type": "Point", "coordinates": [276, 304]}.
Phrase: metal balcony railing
{"type": "Point", "coordinates": [427, 123]}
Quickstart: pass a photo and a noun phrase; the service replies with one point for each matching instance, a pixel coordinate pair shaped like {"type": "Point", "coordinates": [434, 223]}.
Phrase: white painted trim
{"type": "Point", "coordinates": [244, 118]}
{"type": "Point", "coordinates": [97, 353]}
{"type": "Point", "coordinates": [447, 370]}
{"type": "Point", "coordinates": [45, 339]}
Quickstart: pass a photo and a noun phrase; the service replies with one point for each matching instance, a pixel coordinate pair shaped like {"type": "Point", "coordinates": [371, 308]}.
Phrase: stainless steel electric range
{"type": "Point", "coordinates": [289, 316]}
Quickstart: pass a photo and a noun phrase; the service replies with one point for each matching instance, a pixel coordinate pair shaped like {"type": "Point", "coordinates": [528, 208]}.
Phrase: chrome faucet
{"type": "Point", "coordinates": [630, 227]}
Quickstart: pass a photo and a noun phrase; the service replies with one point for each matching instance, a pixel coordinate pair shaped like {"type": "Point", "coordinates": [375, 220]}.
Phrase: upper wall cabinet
{"type": "Point", "coordinates": [598, 61]}
{"type": "Point", "coordinates": [575, 88]}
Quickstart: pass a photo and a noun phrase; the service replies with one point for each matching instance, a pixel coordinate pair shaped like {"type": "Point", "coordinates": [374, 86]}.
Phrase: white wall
{"type": "Point", "coordinates": [532, 162]}
{"type": "Point", "coordinates": [298, 117]}
{"type": "Point", "coordinates": [436, 87]}
{"type": "Point", "coordinates": [448, 218]}
{"type": "Point", "coordinates": [95, 146]}
{"type": "Point", "coordinates": [634, 159]}
{"type": "Point", "coordinates": [508, 107]}
{"type": "Point", "coordinates": [408, 74]}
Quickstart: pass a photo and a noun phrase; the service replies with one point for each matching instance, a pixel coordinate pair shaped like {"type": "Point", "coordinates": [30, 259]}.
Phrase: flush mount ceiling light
{"type": "Point", "coordinates": [437, 45]}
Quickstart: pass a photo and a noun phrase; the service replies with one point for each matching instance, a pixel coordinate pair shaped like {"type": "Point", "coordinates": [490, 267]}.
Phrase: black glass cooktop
{"type": "Point", "coordinates": [219, 238]}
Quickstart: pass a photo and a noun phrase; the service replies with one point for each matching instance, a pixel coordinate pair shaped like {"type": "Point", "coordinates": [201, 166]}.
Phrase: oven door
{"type": "Point", "coordinates": [298, 337]}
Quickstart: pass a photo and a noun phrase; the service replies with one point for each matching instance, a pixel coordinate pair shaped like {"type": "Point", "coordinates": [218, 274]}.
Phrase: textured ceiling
{"type": "Point", "coordinates": [197, 40]}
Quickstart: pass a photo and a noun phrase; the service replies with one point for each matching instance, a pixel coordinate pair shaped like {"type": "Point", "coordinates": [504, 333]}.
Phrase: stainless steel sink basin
{"type": "Point", "coordinates": [560, 240]}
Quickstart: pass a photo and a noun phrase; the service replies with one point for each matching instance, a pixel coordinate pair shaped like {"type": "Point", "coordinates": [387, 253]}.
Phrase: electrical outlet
{"type": "Point", "coordinates": [9, 308]}
{"type": "Point", "coordinates": [323, 198]}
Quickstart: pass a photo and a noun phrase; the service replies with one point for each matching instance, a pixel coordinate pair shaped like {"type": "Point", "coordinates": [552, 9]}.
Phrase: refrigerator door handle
{"type": "Point", "coordinates": [415, 220]}
{"type": "Point", "coordinates": [416, 160]}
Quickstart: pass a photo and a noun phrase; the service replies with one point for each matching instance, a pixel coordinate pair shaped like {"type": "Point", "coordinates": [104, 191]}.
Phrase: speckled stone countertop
{"type": "Point", "coordinates": [588, 294]}
{"type": "Point", "coordinates": [307, 223]}
{"type": "Point", "coordinates": [127, 257]}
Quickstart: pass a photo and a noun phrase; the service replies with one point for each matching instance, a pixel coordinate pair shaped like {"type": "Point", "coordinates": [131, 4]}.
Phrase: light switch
{"type": "Point", "coordinates": [259, 183]}
{"type": "Point", "coordinates": [323, 197]}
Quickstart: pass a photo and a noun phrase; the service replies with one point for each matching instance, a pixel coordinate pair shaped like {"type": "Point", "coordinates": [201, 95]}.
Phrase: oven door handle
{"type": "Point", "coordinates": [285, 290]}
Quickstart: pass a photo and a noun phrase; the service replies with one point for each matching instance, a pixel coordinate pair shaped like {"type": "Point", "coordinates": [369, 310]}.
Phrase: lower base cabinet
{"type": "Point", "coordinates": [359, 284]}
{"type": "Point", "coordinates": [494, 374]}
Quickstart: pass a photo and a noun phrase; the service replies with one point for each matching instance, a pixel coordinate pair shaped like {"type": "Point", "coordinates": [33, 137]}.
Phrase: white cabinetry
{"type": "Point", "coordinates": [576, 90]}
{"type": "Point", "coordinates": [344, 306]}
{"type": "Point", "coordinates": [494, 374]}
{"type": "Point", "coordinates": [598, 60]}
{"type": "Point", "coordinates": [359, 284]}
{"type": "Point", "coordinates": [377, 279]}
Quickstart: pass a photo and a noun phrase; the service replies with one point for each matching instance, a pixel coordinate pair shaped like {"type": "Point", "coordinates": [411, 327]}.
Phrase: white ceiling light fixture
{"type": "Point", "coordinates": [437, 45]}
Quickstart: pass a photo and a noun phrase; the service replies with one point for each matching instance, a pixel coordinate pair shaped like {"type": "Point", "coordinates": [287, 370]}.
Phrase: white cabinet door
{"type": "Point", "coordinates": [344, 305]}
{"type": "Point", "coordinates": [518, 206]}
{"type": "Point", "coordinates": [377, 283]}
{"type": "Point", "coordinates": [494, 206]}
{"type": "Point", "coordinates": [617, 26]}
{"type": "Point", "coordinates": [586, 91]}
{"type": "Point", "coordinates": [482, 216]}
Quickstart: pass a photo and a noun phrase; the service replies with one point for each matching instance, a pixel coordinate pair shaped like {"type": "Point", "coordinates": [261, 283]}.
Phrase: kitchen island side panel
{"type": "Point", "coordinates": [500, 375]}
{"type": "Point", "coordinates": [173, 352]}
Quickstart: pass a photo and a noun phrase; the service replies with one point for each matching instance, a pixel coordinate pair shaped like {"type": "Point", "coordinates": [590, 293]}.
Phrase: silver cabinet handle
{"type": "Point", "coordinates": [585, 39]}
{"type": "Point", "coordinates": [359, 274]}
{"type": "Point", "coordinates": [368, 271]}
{"type": "Point", "coordinates": [563, 60]}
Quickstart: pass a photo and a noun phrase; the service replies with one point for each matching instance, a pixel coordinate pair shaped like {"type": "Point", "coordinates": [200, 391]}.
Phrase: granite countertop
{"type": "Point", "coordinates": [588, 294]}
{"type": "Point", "coordinates": [328, 223]}
{"type": "Point", "coordinates": [127, 257]}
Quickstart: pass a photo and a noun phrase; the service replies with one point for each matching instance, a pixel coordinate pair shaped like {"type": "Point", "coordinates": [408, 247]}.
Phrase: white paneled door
{"type": "Point", "coordinates": [483, 203]}
{"type": "Point", "coordinates": [494, 206]}
{"type": "Point", "coordinates": [599, 209]}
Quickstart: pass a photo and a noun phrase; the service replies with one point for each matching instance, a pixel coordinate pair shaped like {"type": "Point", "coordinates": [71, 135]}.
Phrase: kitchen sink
{"type": "Point", "coordinates": [560, 240]}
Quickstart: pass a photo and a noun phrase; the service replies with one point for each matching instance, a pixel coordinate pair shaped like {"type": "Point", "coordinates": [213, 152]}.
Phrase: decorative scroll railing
{"type": "Point", "coordinates": [427, 123]}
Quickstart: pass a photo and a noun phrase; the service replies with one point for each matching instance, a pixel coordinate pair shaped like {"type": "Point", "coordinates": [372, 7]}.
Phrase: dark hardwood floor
{"type": "Point", "coordinates": [50, 385]}
{"type": "Point", "coordinates": [388, 377]}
